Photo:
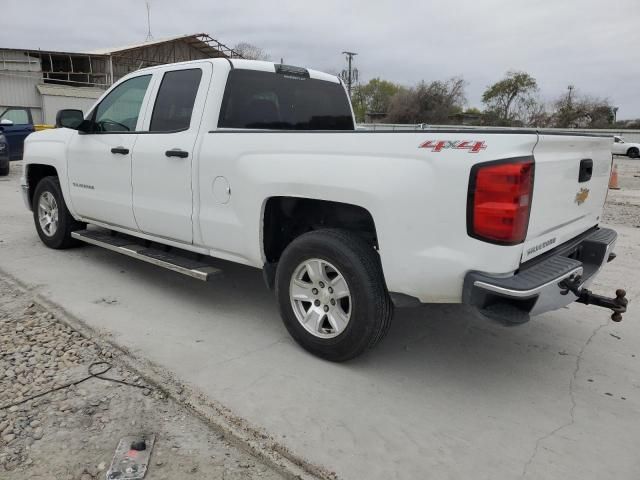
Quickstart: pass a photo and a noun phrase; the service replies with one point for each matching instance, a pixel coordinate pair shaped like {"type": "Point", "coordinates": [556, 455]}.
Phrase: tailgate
{"type": "Point", "coordinates": [565, 205]}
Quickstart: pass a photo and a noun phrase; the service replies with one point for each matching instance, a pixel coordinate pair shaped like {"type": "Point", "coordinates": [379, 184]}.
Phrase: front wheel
{"type": "Point", "coordinates": [53, 221]}
{"type": "Point", "coordinates": [332, 295]}
{"type": "Point", "coordinates": [633, 153]}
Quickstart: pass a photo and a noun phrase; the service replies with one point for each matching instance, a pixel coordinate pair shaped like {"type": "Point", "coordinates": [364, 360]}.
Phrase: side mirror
{"type": "Point", "coordinates": [69, 119]}
{"type": "Point", "coordinates": [6, 122]}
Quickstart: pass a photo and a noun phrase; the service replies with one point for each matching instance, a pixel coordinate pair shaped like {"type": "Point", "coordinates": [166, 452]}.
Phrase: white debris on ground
{"type": "Point", "coordinates": [623, 206]}
{"type": "Point", "coordinates": [71, 433]}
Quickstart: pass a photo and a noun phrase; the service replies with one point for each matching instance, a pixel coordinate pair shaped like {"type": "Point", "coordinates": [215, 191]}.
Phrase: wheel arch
{"type": "Point", "coordinates": [34, 172]}
{"type": "Point", "coordinates": [284, 218]}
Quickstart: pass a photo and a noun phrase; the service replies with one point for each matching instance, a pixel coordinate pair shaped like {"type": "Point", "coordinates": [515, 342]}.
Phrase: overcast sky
{"type": "Point", "coordinates": [592, 44]}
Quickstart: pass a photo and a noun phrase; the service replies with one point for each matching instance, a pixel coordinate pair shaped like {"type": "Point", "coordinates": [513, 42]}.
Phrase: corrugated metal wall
{"type": "Point", "coordinates": [19, 90]}
{"type": "Point", "coordinates": [173, 51]}
{"type": "Point", "coordinates": [19, 75]}
{"type": "Point", "coordinates": [51, 104]}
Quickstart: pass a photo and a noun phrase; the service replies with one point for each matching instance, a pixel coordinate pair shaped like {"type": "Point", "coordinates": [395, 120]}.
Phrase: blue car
{"type": "Point", "coordinates": [15, 124]}
{"type": "Point", "coordinates": [4, 156]}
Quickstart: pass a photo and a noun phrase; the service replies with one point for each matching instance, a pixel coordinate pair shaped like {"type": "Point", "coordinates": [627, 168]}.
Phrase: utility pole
{"type": "Point", "coordinates": [149, 36]}
{"type": "Point", "coordinates": [350, 76]}
{"type": "Point", "coordinates": [570, 88]}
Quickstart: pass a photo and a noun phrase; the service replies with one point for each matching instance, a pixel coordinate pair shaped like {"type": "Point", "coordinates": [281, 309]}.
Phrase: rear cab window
{"type": "Point", "coordinates": [276, 101]}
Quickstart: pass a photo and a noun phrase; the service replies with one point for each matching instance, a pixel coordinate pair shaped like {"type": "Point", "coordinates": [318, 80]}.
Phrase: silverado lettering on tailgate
{"type": "Point", "coordinates": [540, 246]}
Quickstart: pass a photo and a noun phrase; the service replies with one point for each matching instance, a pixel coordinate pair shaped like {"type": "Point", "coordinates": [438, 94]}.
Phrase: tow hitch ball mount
{"type": "Point", "coordinates": [618, 304]}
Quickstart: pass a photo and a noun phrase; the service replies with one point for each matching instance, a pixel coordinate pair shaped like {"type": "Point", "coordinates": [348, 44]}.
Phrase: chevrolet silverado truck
{"type": "Point", "coordinates": [262, 164]}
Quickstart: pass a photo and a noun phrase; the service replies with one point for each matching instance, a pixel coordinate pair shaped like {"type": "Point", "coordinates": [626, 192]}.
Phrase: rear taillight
{"type": "Point", "coordinates": [500, 200]}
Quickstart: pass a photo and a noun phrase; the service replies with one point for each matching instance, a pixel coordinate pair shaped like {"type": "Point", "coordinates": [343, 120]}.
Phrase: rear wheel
{"type": "Point", "coordinates": [633, 153]}
{"type": "Point", "coordinates": [53, 221]}
{"type": "Point", "coordinates": [332, 295]}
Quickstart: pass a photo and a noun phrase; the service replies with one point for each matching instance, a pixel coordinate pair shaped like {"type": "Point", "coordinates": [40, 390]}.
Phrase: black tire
{"type": "Point", "coordinates": [61, 238]}
{"type": "Point", "coordinates": [4, 171]}
{"type": "Point", "coordinates": [633, 152]}
{"type": "Point", "coordinates": [371, 308]}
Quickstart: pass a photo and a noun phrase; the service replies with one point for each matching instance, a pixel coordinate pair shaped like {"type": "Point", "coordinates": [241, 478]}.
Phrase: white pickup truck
{"type": "Point", "coordinates": [261, 164]}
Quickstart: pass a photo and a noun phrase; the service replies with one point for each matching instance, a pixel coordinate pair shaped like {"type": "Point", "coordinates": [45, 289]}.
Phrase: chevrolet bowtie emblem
{"type": "Point", "coordinates": [582, 195]}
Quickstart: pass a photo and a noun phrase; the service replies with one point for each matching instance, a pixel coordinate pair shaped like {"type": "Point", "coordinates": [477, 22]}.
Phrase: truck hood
{"type": "Point", "coordinates": [51, 134]}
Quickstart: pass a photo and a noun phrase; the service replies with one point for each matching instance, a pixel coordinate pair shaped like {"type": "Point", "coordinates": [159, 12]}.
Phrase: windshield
{"type": "Point", "coordinates": [266, 100]}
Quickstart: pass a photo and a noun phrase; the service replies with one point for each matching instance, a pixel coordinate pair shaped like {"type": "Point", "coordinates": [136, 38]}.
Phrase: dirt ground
{"type": "Point", "coordinates": [72, 433]}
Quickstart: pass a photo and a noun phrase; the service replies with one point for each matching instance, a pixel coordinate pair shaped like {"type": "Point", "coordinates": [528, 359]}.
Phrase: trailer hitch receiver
{"type": "Point", "coordinates": [618, 304]}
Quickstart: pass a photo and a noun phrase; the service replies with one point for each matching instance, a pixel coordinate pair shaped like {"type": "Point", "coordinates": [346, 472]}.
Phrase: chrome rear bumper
{"type": "Point", "coordinates": [539, 286]}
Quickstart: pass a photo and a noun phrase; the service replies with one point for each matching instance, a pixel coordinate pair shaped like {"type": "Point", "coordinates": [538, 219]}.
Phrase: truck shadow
{"type": "Point", "coordinates": [444, 341]}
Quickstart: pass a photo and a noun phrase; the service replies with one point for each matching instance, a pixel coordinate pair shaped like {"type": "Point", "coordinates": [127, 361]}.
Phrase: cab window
{"type": "Point", "coordinates": [274, 101]}
{"type": "Point", "coordinates": [19, 116]}
{"type": "Point", "coordinates": [119, 110]}
{"type": "Point", "coordinates": [174, 103]}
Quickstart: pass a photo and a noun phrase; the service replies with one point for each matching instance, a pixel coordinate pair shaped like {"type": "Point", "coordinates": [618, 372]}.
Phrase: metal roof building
{"type": "Point", "coordinates": [47, 80]}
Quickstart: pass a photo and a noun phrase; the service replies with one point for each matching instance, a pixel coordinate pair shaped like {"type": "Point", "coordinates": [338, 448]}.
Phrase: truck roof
{"type": "Point", "coordinates": [259, 65]}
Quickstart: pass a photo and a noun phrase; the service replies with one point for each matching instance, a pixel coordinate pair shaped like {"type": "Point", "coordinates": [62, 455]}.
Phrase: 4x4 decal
{"type": "Point", "coordinates": [473, 146]}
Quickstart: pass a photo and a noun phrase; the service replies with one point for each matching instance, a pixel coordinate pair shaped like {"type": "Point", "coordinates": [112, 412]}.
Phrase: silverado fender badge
{"type": "Point", "coordinates": [581, 196]}
{"type": "Point", "coordinates": [83, 185]}
{"type": "Point", "coordinates": [473, 146]}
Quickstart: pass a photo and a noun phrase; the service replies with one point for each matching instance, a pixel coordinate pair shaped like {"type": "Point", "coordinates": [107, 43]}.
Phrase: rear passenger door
{"type": "Point", "coordinates": [163, 157]}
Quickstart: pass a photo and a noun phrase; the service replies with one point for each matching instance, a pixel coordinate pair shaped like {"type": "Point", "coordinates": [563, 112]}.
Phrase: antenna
{"type": "Point", "coordinates": [149, 36]}
{"type": "Point", "coordinates": [350, 76]}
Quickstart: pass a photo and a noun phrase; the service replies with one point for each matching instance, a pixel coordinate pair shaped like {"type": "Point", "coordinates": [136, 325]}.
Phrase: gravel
{"type": "Point", "coordinates": [71, 433]}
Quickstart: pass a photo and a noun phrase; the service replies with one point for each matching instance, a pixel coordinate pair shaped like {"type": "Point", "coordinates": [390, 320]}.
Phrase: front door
{"type": "Point", "coordinates": [163, 158]}
{"type": "Point", "coordinates": [99, 162]}
{"type": "Point", "coordinates": [16, 123]}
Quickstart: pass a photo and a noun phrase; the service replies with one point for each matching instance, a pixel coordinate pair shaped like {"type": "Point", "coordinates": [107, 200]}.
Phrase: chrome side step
{"type": "Point", "coordinates": [168, 260]}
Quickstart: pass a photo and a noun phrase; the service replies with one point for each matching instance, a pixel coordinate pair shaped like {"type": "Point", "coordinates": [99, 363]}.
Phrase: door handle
{"type": "Point", "coordinates": [586, 170]}
{"type": "Point", "coordinates": [120, 150]}
{"type": "Point", "coordinates": [176, 152]}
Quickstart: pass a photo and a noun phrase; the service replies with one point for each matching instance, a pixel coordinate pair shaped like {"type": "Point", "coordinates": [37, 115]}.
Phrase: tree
{"type": "Point", "coordinates": [582, 111]}
{"type": "Point", "coordinates": [373, 97]}
{"type": "Point", "coordinates": [432, 103]}
{"type": "Point", "coordinates": [251, 52]}
{"type": "Point", "coordinates": [512, 100]}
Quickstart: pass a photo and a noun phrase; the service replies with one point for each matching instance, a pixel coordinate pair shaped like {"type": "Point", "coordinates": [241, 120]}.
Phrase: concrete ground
{"type": "Point", "coordinates": [447, 395]}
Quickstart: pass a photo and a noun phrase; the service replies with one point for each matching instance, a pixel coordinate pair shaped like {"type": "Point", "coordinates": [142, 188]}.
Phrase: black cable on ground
{"type": "Point", "coordinates": [92, 374]}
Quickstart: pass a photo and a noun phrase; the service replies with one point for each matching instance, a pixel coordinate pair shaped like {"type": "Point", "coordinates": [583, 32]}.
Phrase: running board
{"type": "Point", "coordinates": [168, 260]}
